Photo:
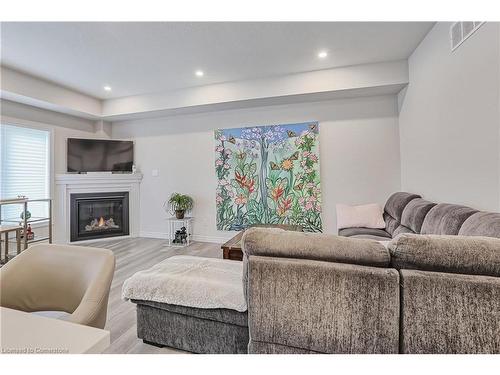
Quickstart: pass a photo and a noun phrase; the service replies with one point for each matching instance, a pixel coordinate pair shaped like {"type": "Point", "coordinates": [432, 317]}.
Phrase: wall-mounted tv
{"type": "Point", "coordinates": [100, 155]}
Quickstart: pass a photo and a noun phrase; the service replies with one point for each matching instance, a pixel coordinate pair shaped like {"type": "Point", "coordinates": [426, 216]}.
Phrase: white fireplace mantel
{"type": "Point", "coordinates": [67, 184]}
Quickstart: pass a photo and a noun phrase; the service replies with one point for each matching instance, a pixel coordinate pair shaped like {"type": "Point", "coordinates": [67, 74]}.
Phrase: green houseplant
{"type": "Point", "coordinates": [180, 204]}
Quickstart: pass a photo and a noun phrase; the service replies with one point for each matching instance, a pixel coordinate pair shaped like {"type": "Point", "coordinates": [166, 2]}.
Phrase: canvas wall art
{"type": "Point", "coordinates": [268, 175]}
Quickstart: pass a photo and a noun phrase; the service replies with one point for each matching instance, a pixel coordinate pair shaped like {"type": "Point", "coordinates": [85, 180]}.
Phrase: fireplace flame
{"type": "Point", "coordinates": [101, 222]}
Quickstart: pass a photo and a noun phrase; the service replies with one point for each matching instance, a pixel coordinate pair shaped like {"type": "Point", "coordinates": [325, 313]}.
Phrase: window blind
{"type": "Point", "coordinates": [24, 161]}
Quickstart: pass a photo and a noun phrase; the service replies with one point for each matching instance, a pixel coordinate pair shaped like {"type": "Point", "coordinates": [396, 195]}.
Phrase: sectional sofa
{"type": "Point", "coordinates": [315, 293]}
{"type": "Point", "coordinates": [427, 291]}
{"type": "Point", "coordinates": [410, 213]}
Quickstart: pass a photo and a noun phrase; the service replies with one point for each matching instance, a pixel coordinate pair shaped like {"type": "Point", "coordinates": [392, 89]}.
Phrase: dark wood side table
{"type": "Point", "coordinates": [232, 248]}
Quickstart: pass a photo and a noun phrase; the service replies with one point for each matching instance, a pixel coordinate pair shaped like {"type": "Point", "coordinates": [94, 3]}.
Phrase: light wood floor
{"type": "Point", "coordinates": [132, 255]}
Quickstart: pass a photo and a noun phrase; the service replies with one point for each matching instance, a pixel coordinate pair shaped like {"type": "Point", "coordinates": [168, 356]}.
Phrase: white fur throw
{"type": "Point", "coordinates": [205, 283]}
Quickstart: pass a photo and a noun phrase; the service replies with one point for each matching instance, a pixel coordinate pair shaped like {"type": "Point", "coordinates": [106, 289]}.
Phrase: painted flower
{"type": "Point", "coordinates": [219, 162]}
{"type": "Point", "coordinates": [219, 149]}
{"type": "Point", "coordinates": [309, 206]}
{"type": "Point", "coordinates": [223, 182]}
{"type": "Point", "coordinates": [240, 200]}
{"type": "Point", "coordinates": [222, 138]}
{"type": "Point", "coordinates": [284, 205]}
{"type": "Point", "coordinates": [306, 154]}
{"type": "Point", "coordinates": [287, 164]}
{"type": "Point", "coordinates": [227, 166]}
{"type": "Point", "coordinates": [277, 192]}
{"type": "Point", "coordinates": [313, 157]}
{"type": "Point", "coordinates": [218, 199]}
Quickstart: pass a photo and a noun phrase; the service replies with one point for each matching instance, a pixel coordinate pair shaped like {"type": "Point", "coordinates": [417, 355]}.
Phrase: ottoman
{"type": "Point", "coordinates": [191, 303]}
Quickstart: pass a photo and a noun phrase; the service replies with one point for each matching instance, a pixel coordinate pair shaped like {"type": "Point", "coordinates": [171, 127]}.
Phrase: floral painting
{"type": "Point", "coordinates": [268, 175]}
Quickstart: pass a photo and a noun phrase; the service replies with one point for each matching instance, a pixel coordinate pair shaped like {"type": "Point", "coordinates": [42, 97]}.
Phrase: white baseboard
{"type": "Point", "coordinates": [194, 237]}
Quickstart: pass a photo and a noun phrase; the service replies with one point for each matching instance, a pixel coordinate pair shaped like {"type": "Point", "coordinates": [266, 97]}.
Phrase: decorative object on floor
{"type": "Point", "coordinates": [268, 175]}
{"type": "Point", "coordinates": [179, 231]}
{"type": "Point", "coordinates": [179, 204]}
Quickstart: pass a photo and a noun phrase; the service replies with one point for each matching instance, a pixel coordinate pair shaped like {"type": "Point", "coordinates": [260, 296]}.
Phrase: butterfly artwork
{"type": "Point", "coordinates": [268, 174]}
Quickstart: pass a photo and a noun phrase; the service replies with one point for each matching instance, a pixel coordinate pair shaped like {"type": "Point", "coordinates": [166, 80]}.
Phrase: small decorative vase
{"type": "Point", "coordinates": [179, 214]}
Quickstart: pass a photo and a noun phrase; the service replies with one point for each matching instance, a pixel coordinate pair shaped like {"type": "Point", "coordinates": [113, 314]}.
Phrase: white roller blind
{"type": "Point", "coordinates": [24, 161]}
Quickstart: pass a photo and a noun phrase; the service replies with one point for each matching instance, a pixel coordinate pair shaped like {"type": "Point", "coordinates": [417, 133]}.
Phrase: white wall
{"type": "Point", "coordinates": [359, 147]}
{"type": "Point", "coordinates": [450, 121]}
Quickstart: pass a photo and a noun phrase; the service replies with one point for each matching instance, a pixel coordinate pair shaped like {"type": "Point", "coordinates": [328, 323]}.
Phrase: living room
{"type": "Point", "coordinates": [250, 187]}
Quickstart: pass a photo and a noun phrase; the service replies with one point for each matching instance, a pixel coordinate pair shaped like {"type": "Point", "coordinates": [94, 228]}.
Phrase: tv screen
{"type": "Point", "coordinates": [98, 155]}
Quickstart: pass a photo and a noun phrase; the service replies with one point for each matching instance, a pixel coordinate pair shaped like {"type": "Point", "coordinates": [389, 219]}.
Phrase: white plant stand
{"type": "Point", "coordinates": [175, 224]}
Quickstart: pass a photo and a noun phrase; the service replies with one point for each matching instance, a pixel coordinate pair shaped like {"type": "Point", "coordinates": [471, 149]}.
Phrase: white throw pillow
{"type": "Point", "coordinates": [365, 216]}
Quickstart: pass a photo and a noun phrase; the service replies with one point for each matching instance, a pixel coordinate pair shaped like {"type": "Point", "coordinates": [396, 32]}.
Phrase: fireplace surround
{"type": "Point", "coordinates": [99, 215]}
{"type": "Point", "coordinates": [69, 184]}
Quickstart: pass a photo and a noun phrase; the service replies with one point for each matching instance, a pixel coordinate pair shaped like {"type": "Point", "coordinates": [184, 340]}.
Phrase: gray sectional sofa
{"type": "Point", "coordinates": [428, 291]}
{"type": "Point", "coordinates": [410, 213]}
{"type": "Point", "coordinates": [310, 293]}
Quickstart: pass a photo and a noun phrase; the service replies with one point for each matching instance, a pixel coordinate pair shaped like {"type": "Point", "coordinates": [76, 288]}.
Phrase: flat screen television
{"type": "Point", "coordinates": [100, 155]}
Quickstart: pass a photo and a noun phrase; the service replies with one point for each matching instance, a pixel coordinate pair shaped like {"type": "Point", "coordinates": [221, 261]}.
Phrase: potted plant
{"type": "Point", "coordinates": [180, 204]}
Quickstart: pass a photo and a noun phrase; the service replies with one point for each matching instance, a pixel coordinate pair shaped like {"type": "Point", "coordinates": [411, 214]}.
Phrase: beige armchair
{"type": "Point", "coordinates": [60, 278]}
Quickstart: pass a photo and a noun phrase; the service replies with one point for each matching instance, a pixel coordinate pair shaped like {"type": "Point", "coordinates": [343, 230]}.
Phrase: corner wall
{"type": "Point", "coordinates": [450, 119]}
{"type": "Point", "coordinates": [359, 149]}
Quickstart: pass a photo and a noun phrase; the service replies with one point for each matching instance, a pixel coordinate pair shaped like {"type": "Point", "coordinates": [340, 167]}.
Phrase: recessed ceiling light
{"type": "Point", "coordinates": [322, 54]}
{"type": "Point", "coordinates": [107, 88]}
{"type": "Point", "coordinates": [199, 73]}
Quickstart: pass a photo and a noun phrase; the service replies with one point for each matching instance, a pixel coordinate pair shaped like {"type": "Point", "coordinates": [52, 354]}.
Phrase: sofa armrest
{"type": "Point", "coordinates": [302, 305]}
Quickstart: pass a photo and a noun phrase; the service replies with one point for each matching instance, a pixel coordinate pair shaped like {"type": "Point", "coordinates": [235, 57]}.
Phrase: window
{"type": "Point", "coordinates": [24, 162]}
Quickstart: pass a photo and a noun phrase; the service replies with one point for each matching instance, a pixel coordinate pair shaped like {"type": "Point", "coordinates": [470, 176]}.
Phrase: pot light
{"type": "Point", "coordinates": [199, 73]}
{"type": "Point", "coordinates": [322, 54]}
{"type": "Point", "coordinates": [107, 88]}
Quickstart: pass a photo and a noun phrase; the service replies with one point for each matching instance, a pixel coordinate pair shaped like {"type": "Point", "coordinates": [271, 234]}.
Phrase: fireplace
{"type": "Point", "coordinates": [98, 215]}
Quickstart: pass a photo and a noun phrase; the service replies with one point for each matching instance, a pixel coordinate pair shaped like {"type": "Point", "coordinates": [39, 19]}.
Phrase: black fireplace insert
{"type": "Point", "coordinates": [98, 215]}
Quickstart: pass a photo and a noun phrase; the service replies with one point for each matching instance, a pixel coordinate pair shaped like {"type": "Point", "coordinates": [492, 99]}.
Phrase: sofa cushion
{"type": "Point", "coordinates": [400, 230]}
{"type": "Point", "coordinates": [366, 215]}
{"type": "Point", "coordinates": [452, 254]}
{"type": "Point", "coordinates": [349, 232]}
{"type": "Point", "coordinates": [391, 224]}
{"type": "Point", "coordinates": [414, 214]}
{"type": "Point", "coordinates": [394, 208]}
{"type": "Point", "coordinates": [446, 218]}
{"type": "Point", "coordinates": [397, 203]}
{"type": "Point", "coordinates": [482, 224]}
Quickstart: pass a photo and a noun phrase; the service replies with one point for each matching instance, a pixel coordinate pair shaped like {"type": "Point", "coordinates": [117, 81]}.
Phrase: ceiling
{"type": "Point", "coordinates": [137, 58]}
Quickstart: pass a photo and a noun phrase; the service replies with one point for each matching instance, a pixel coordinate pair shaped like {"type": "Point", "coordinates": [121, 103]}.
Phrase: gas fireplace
{"type": "Point", "coordinates": [99, 215]}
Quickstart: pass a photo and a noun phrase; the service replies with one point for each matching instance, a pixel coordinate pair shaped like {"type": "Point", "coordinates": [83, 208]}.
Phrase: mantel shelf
{"type": "Point", "coordinates": [70, 179]}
